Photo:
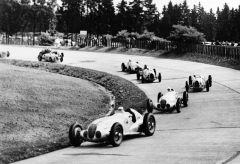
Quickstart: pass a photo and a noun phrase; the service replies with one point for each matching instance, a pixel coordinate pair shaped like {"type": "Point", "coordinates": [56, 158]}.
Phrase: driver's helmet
{"type": "Point", "coordinates": [120, 110]}
{"type": "Point", "coordinates": [130, 60]}
{"type": "Point", "coordinates": [169, 89]}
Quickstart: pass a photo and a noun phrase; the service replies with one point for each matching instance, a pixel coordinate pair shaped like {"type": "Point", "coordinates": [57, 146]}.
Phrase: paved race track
{"type": "Point", "coordinates": [206, 132]}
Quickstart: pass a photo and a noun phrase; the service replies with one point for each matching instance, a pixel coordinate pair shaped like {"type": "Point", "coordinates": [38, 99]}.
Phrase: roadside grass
{"type": "Point", "coordinates": [195, 57]}
{"type": "Point", "coordinates": [39, 101]}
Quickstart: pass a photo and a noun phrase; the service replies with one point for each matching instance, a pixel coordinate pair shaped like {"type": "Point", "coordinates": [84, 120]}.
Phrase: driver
{"type": "Point", "coordinates": [169, 89]}
{"type": "Point", "coordinates": [121, 110]}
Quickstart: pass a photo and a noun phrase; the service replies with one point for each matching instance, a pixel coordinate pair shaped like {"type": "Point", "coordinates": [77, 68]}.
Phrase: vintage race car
{"type": "Point", "coordinates": [113, 128]}
{"type": "Point", "coordinates": [131, 66]}
{"type": "Point", "coordinates": [168, 102]}
{"type": "Point", "coordinates": [148, 75]}
{"type": "Point", "coordinates": [51, 56]}
{"type": "Point", "coordinates": [4, 54]}
{"type": "Point", "coordinates": [198, 83]}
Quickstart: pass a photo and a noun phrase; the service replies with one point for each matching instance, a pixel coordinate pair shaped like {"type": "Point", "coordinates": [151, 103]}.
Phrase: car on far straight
{"type": "Point", "coordinates": [131, 66]}
{"type": "Point", "coordinates": [198, 83]}
{"type": "Point", "coordinates": [148, 75]}
{"type": "Point", "coordinates": [51, 56]}
{"type": "Point", "coordinates": [168, 102]}
{"type": "Point", "coordinates": [4, 54]}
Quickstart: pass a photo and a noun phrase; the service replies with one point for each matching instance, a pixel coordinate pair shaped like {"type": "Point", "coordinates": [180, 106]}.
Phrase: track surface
{"type": "Point", "coordinates": [206, 132]}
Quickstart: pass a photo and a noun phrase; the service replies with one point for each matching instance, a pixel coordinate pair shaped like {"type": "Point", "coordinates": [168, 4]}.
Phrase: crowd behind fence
{"type": "Point", "coordinates": [210, 50]}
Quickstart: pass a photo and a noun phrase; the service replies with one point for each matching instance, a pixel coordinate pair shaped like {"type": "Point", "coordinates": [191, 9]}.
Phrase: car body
{"type": "Point", "coordinates": [51, 56]}
{"type": "Point", "coordinates": [113, 128]}
{"type": "Point", "coordinates": [4, 54]}
{"type": "Point", "coordinates": [148, 75]}
{"type": "Point", "coordinates": [198, 83]}
{"type": "Point", "coordinates": [168, 102]}
{"type": "Point", "coordinates": [131, 66]}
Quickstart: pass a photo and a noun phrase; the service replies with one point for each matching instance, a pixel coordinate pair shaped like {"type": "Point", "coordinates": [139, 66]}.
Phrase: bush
{"type": "Point", "coordinates": [45, 39]}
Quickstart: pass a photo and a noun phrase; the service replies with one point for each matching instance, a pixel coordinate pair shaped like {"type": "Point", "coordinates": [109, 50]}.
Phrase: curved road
{"type": "Point", "coordinates": [206, 132]}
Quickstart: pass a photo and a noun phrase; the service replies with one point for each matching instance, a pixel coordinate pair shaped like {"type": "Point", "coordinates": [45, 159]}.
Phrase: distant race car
{"type": "Point", "coordinates": [113, 128]}
{"type": "Point", "coordinates": [148, 75]}
{"type": "Point", "coordinates": [168, 102]}
{"type": "Point", "coordinates": [4, 54]}
{"type": "Point", "coordinates": [198, 83]}
{"type": "Point", "coordinates": [131, 66]}
{"type": "Point", "coordinates": [51, 56]}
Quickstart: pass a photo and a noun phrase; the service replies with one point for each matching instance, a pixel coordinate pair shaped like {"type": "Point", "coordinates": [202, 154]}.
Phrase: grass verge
{"type": "Point", "coordinates": [49, 127]}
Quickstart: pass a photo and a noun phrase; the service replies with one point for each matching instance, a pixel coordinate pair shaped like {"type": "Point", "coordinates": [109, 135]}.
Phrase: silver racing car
{"type": "Point", "coordinates": [148, 75]}
{"type": "Point", "coordinates": [131, 66]}
{"type": "Point", "coordinates": [198, 83]}
{"type": "Point", "coordinates": [113, 128]}
{"type": "Point", "coordinates": [51, 56]}
{"type": "Point", "coordinates": [168, 102]}
{"type": "Point", "coordinates": [4, 54]}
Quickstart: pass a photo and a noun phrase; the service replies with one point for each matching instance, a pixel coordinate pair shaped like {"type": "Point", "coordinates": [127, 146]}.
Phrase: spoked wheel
{"type": "Point", "coordinates": [187, 87]}
{"type": "Point", "coordinates": [190, 80]}
{"type": "Point", "coordinates": [123, 67]}
{"type": "Point", "coordinates": [74, 134]}
{"type": "Point", "coordinates": [116, 135]}
{"type": "Point", "coordinates": [185, 99]}
{"type": "Point", "coordinates": [149, 124]}
{"type": "Point", "coordinates": [159, 77]}
{"type": "Point", "coordinates": [178, 105]}
{"type": "Point", "coordinates": [149, 106]}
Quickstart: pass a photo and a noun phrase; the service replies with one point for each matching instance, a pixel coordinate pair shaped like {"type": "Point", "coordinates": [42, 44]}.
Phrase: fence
{"type": "Point", "coordinates": [211, 50]}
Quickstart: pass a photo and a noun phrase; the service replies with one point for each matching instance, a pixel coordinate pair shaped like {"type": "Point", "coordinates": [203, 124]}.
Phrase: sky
{"type": "Point", "coordinates": [207, 4]}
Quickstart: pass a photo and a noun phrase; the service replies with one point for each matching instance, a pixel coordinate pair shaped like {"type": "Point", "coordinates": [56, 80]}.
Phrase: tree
{"type": "Point", "coordinates": [186, 34]}
{"type": "Point", "coordinates": [137, 16]}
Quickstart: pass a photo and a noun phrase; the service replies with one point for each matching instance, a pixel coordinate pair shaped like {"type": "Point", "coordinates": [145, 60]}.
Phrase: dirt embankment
{"type": "Point", "coordinates": [38, 106]}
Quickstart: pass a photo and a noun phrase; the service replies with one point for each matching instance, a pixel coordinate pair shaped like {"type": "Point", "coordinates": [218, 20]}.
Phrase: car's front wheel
{"type": "Point", "coordinates": [116, 134]}
{"type": "Point", "coordinates": [159, 77]}
{"type": "Point", "coordinates": [149, 124]}
{"type": "Point", "coordinates": [39, 57]}
{"type": "Point", "coordinates": [178, 105]}
{"type": "Point", "coordinates": [185, 99]}
{"type": "Point", "coordinates": [187, 87]}
{"type": "Point", "coordinates": [74, 134]}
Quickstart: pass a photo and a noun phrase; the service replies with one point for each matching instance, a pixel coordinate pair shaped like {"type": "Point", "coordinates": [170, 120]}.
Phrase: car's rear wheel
{"type": "Point", "coordinates": [61, 59]}
{"type": "Point", "coordinates": [116, 134]}
{"type": "Point", "coordinates": [138, 76]}
{"type": "Point", "coordinates": [207, 86]}
{"type": "Point", "coordinates": [187, 87]}
{"type": "Point", "coordinates": [123, 67]}
{"type": "Point", "coordinates": [8, 54]}
{"type": "Point", "coordinates": [178, 105]}
{"type": "Point", "coordinates": [74, 134]}
{"type": "Point", "coordinates": [159, 77]}
{"type": "Point", "coordinates": [185, 99]}
{"type": "Point", "coordinates": [210, 80]}
{"type": "Point", "coordinates": [149, 124]}
{"type": "Point", "coordinates": [159, 96]}
{"type": "Point", "coordinates": [190, 80]}
{"type": "Point", "coordinates": [40, 57]}
{"type": "Point", "coordinates": [149, 106]}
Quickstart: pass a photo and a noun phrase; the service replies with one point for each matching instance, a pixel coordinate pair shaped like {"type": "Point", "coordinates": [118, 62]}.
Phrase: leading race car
{"type": "Point", "coordinates": [51, 56]}
{"type": "Point", "coordinates": [113, 128]}
{"type": "Point", "coordinates": [4, 54]}
{"type": "Point", "coordinates": [148, 75]}
{"type": "Point", "coordinates": [198, 83]}
{"type": "Point", "coordinates": [131, 66]}
{"type": "Point", "coordinates": [168, 102]}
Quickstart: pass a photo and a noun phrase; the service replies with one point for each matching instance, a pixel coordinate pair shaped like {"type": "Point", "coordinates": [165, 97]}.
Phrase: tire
{"type": "Point", "coordinates": [40, 57]}
{"type": "Point", "coordinates": [143, 80]}
{"type": "Point", "coordinates": [62, 54]}
{"type": "Point", "coordinates": [74, 134]}
{"type": "Point", "coordinates": [149, 124]}
{"type": "Point", "coordinates": [210, 80]}
{"type": "Point", "coordinates": [129, 70]}
{"type": "Point", "coordinates": [187, 87]}
{"type": "Point", "coordinates": [8, 54]}
{"type": "Point", "coordinates": [50, 59]}
{"type": "Point", "coordinates": [61, 59]}
{"type": "Point", "coordinates": [207, 86]}
{"type": "Point", "coordinates": [178, 105]}
{"type": "Point", "coordinates": [123, 67]}
{"type": "Point", "coordinates": [185, 99]}
{"type": "Point", "coordinates": [154, 70]}
{"type": "Point", "coordinates": [149, 106]}
{"type": "Point", "coordinates": [138, 76]}
{"type": "Point", "coordinates": [159, 77]}
{"type": "Point", "coordinates": [116, 134]}
{"type": "Point", "coordinates": [159, 96]}
{"type": "Point", "coordinates": [190, 80]}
